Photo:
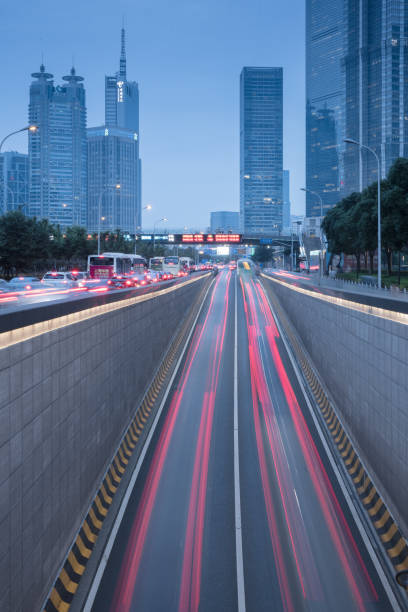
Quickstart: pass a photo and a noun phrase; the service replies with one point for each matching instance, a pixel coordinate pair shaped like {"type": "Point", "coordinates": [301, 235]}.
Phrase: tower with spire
{"type": "Point", "coordinates": [113, 156]}
{"type": "Point", "coordinates": [122, 96]}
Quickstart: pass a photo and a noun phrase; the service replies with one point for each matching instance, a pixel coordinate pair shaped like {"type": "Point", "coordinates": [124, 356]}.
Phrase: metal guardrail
{"type": "Point", "coordinates": [363, 287]}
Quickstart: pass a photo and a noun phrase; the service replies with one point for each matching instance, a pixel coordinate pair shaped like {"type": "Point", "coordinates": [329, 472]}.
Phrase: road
{"type": "Point", "coordinates": [176, 547]}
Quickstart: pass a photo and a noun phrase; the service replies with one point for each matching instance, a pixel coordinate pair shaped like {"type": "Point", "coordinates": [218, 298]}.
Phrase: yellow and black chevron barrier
{"type": "Point", "coordinates": [67, 583]}
{"type": "Point", "coordinates": [387, 529]}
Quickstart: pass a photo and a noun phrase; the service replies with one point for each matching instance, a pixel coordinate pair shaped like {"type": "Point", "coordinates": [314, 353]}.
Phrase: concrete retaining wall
{"type": "Point", "coordinates": [363, 360]}
{"type": "Point", "coordinates": [65, 399]}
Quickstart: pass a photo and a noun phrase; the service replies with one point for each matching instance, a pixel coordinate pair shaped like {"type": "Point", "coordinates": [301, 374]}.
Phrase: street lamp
{"type": "Point", "coordinates": [100, 218]}
{"type": "Point", "coordinates": [30, 128]}
{"type": "Point", "coordinates": [321, 218]}
{"type": "Point", "coordinates": [298, 223]}
{"type": "Point", "coordinates": [137, 227]}
{"type": "Point", "coordinates": [154, 228]}
{"type": "Point", "coordinates": [358, 144]}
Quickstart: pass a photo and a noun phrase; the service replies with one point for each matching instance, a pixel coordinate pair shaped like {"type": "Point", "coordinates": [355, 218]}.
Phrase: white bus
{"type": "Point", "coordinates": [167, 265]}
{"type": "Point", "coordinates": [108, 265]}
{"type": "Point", "coordinates": [187, 263]}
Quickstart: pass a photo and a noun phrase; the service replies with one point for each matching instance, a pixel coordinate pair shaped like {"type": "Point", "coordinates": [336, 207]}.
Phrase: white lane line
{"type": "Point", "coordinates": [108, 548]}
{"type": "Point", "coordinates": [329, 452]}
{"type": "Point", "coordinates": [237, 487]}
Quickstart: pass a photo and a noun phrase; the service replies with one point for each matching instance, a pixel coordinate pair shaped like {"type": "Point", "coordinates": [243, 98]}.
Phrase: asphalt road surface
{"type": "Point", "coordinates": [177, 547]}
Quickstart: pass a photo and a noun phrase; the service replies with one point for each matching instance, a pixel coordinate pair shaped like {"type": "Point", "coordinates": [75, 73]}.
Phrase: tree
{"type": "Point", "coordinates": [16, 235]}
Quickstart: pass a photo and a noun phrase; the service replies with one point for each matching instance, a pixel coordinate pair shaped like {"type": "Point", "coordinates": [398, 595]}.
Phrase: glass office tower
{"type": "Point", "coordinates": [58, 150]}
{"type": "Point", "coordinates": [113, 155]}
{"type": "Point", "coordinates": [224, 221]}
{"type": "Point", "coordinates": [13, 181]}
{"type": "Point", "coordinates": [356, 87]}
{"type": "Point", "coordinates": [286, 200]}
{"type": "Point", "coordinates": [376, 92]}
{"type": "Point", "coordinates": [261, 150]}
{"type": "Point", "coordinates": [324, 103]}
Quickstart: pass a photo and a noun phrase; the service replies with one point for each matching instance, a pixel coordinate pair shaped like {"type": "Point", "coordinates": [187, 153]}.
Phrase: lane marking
{"type": "Point", "coordinates": [329, 453]}
{"type": "Point", "coordinates": [237, 487]}
{"type": "Point", "coordinates": [112, 537]}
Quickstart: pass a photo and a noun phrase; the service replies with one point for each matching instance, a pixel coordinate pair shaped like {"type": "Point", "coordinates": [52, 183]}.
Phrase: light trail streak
{"type": "Point", "coordinates": [345, 544]}
{"type": "Point", "coordinates": [191, 573]}
{"type": "Point", "coordinates": [130, 566]}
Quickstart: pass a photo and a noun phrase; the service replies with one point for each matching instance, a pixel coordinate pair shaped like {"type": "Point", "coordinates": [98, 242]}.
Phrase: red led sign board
{"type": "Point", "coordinates": [210, 238]}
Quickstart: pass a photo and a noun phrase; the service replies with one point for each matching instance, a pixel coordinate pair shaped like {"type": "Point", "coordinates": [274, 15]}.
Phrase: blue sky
{"type": "Point", "coordinates": [187, 56]}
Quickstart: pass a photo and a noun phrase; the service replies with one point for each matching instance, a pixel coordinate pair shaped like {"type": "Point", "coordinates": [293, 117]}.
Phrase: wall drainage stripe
{"type": "Point", "coordinates": [387, 529]}
{"type": "Point", "coordinates": [67, 583]}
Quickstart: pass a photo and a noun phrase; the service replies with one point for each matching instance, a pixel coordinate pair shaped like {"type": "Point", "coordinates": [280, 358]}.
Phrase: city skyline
{"type": "Point", "coordinates": [190, 90]}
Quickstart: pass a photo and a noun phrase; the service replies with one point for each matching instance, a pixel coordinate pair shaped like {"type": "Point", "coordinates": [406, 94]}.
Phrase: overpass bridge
{"type": "Point", "coordinates": [217, 443]}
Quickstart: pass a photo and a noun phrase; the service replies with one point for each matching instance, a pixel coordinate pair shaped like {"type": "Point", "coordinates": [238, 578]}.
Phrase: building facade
{"type": "Point", "coordinates": [286, 200]}
{"type": "Point", "coordinates": [261, 150]}
{"type": "Point", "coordinates": [114, 165]}
{"type": "Point", "coordinates": [13, 181]}
{"type": "Point", "coordinates": [224, 221]}
{"type": "Point", "coordinates": [324, 102]}
{"type": "Point", "coordinates": [375, 87]}
{"type": "Point", "coordinates": [58, 150]}
{"type": "Point", "coordinates": [113, 180]}
{"type": "Point", "coordinates": [356, 87]}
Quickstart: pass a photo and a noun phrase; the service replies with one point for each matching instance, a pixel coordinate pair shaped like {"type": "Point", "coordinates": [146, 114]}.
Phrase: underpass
{"type": "Point", "coordinates": [254, 521]}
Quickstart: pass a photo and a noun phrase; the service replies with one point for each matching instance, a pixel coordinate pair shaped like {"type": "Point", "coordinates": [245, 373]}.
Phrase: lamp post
{"type": "Point", "coordinates": [320, 229]}
{"type": "Point", "coordinates": [30, 128]}
{"type": "Point", "coordinates": [358, 144]}
{"type": "Point", "coordinates": [148, 207]}
{"type": "Point", "coordinates": [117, 186]}
{"type": "Point", "coordinates": [154, 229]}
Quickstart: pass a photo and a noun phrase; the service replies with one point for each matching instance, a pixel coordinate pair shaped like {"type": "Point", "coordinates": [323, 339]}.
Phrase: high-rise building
{"type": "Point", "coordinates": [58, 150]}
{"type": "Point", "coordinates": [261, 150]}
{"type": "Point", "coordinates": [375, 87]}
{"type": "Point", "coordinates": [113, 157]}
{"type": "Point", "coordinates": [286, 199]}
{"type": "Point", "coordinates": [122, 97]}
{"type": "Point", "coordinates": [224, 221]}
{"type": "Point", "coordinates": [113, 180]}
{"type": "Point", "coordinates": [356, 76]}
{"type": "Point", "coordinates": [324, 102]}
{"type": "Point", "coordinates": [13, 181]}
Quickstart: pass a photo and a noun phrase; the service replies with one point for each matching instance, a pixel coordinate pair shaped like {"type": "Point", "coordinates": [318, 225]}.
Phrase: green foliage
{"type": "Point", "coordinates": [262, 254]}
{"type": "Point", "coordinates": [351, 225]}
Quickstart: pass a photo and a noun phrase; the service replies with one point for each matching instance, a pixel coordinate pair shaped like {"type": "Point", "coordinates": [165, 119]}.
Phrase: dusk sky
{"type": "Point", "coordinates": [187, 56]}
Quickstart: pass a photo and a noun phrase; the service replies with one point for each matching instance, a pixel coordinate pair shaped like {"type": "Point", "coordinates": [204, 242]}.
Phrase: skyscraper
{"type": "Point", "coordinates": [113, 175]}
{"type": "Point", "coordinates": [324, 102]}
{"type": "Point", "coordinates": [356, 87]}
{"type": "Point", "coordinates": [375, 82]}
{"type": "Point", "coordinates": [286, 199]}
{"type": "Point", "coordinates": [58, 150]}
{"type": "Point", "coordinates": [13, 181]}
{"type": "Point", "coordinates": [261, 150]}
{"type": "Point", "coordinates": [113, 157]}
{"type": "Point", "coordinates": [122, 97]}
{"type": "Point", "coordinates": [224, 221]}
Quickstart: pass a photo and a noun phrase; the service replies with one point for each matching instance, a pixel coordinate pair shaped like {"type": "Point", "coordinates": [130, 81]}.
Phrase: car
{"type": "Point", "coordinates": [153, 275]}
{"type": "Point", "coordinates": [4, 285]}
{"type": "Point", "coordinates": [64, 280]}
{"type": "Point", "coordinates": [25, 283]}
{"type": "Point", "coordinates": [121, 282]}
{"type": "Point", "coordinates": [80, 276]}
